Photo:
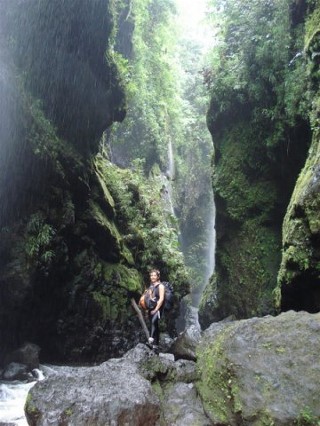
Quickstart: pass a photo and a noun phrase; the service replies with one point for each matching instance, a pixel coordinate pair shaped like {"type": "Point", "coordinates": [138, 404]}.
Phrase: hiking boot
{"type": "Point", "coordinates": [155, 349]}
{"type": "Point", "coordinates": [150, 342]}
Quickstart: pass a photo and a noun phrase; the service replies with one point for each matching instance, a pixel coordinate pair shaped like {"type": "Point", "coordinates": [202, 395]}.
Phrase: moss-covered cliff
{"type": "Point", "coordinates": [77, 234]}
{"type": "Point", "coordinates": [259, 122]}
{"type": "Point", "coordinates": [299, 275]}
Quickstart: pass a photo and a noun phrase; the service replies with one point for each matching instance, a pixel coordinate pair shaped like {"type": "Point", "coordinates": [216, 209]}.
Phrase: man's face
{"type": "Point", "coordinates": [153, 277]}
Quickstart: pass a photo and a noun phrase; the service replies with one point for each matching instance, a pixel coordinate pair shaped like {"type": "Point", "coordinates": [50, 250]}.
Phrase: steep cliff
{"type": "Point", "coordinates": [259, 123]}
{"type": "Point", "coordinates": [77, 234]}
{"type": "Point", "coordinates": [299, 275]}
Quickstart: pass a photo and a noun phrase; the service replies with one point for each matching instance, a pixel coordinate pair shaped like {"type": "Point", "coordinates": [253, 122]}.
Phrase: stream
{"type": "Point", "coordinates": [13, 395]}
{"type": "Point", "coordinates": [12, 399]}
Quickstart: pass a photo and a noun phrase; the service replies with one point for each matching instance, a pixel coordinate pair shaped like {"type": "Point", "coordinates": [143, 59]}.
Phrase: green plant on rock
{"type": "Point", "coordinates": [307, 418]}
{"type": "Point", "coordinates": [216, 385]}
{"type": "Point", "coordinates": [39, 239]}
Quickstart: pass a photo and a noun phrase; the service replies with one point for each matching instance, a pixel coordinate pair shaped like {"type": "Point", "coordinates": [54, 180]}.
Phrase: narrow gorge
{"type": "Point", "coordinates": [168, 134]}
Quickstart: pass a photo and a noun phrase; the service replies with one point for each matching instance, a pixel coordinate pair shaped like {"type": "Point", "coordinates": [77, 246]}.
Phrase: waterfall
{"type": "Point", "coordinates": [210, 254]}
{"type": "Point", "coordinates": [166, 182]}
{"type": "Point", "coordinates": [170, 174]}
{"type": "Point", "coordinates": [171, 168]}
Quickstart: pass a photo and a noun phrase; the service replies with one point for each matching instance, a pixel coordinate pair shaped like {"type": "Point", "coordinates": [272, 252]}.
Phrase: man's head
{"type": "Point", "coordinates": [154, 275]}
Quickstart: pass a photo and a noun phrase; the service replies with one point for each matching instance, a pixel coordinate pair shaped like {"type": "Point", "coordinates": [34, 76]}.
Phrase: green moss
{"type": "Point", "coordinates": [248, 255]}
{"type": "Point", "coordinates": [105, 305]}
{"type": "Point", "coordinates": [247, 266]}
{"type": "Point", "coordinates": [30, 409]}
{"type": "Point", "coordinates": [68, 412]}
{"type": "Point", "coordinates": [112, 294]}
{"type": "Point", "coordinates": [307, 418]}
{"type": "Point", "coordinates": [301, 223]}
{"type": "Point", "coordinates": [127, 278]}
{"type": "Point", "coordinates": [149, 237]}
{"type": "Point", "coordinates": [102, 220]}
{"type": "Point", "coordinates": [216, 386]}
{"type": "Point", "coordinates": [107, 195]}
{"type": "Point", "coordinates": [232, 179]}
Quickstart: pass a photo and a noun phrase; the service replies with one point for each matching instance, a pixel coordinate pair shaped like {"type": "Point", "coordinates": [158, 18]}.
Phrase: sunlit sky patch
{"type": "Point", "coordinates": [192, 20]}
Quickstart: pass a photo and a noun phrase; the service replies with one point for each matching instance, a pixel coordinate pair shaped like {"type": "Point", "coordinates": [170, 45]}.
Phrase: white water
{"type": "Point", "coordinates": [170, 174]}
{"type": "Point", "coordinates": [13, 396]}
{"type": "Point", "coordinates": [171, 167]}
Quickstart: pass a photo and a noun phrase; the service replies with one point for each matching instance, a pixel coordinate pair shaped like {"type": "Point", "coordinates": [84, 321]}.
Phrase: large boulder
{"type": "Point", "coordinates": [111, 393]}
{"type": "Point", "coordinates": [261, 371]}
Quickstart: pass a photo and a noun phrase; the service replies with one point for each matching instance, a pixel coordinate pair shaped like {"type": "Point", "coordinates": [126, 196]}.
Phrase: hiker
{"type": "Point", "coordinates": [156, 313]}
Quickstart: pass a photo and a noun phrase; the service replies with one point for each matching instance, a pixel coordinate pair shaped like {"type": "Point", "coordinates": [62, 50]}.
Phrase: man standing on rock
{"type": "Point", "coordinates": [156, 313]}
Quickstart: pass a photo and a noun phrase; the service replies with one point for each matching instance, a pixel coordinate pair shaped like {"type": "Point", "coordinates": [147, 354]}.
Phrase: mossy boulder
{"type": "Point", "coordinates": [261, 371]}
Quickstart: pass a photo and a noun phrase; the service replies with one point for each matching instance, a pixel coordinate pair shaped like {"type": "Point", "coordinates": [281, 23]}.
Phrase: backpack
{"type": "Point", "coordinates": [168, 295]}
{"type": "Point", "coordinates": [148, 300]}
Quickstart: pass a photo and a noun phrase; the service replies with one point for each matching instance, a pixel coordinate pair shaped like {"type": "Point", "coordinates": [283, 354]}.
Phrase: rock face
{"type": "Point", "coordinates": [255, 165]}
{"type": "Point", "coordinates": [261, 371]}
{"type": "Point", "coordinates": [299, 274]}
{"type": "Point", "coordinates": [71, 257]}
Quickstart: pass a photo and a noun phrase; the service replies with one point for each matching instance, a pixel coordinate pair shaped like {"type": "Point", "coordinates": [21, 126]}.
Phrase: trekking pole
{"type": "Point", "coordinates": [142, 321]}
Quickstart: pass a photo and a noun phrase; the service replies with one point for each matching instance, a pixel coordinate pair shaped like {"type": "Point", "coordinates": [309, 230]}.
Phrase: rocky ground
{"type": "Point", "coordinates": [261, 371]}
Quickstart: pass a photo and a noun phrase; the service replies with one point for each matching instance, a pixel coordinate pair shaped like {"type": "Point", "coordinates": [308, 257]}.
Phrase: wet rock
{"type": "Point", "coordinates": [298, 278]}
{"type": "Point", "coordinates": [16, 371]}
{"type": "Point", "coordinates": [261, 370]}
{"type": "Point", "coordinates": [112, 393]}
{"type": "Point", "coordinates": [182, 406]}
{"type": "Point", "coordinates": [185, 344]}
{"type": "Point", "coordinates": [27, 354]}
{"type": "Point", "coordinates": [165, 369]}
{"type": "Point", "coordinates": [120, 392]}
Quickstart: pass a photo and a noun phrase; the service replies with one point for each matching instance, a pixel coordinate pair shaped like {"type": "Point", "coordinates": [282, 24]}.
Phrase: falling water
{"type": "Point", "coordinates": [195, 31]}
{"type": "Point", "coordinates": [171, 168]}
{"type": "Point", "coordinates": [210, 254]}
{"type": "Point", "coordinates": [170, 174]}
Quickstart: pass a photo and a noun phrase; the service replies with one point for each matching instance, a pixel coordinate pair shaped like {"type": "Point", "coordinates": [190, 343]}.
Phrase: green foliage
{"type": "Point", "coordinates": [259, 104]}
{"type": "Point", "coordinates": [312, 21]}
{"type": "Point", "coordinates": [150, 85]}
{"type": "Point", "coordinates": [307, 418]}
{"type": "Point", "coordinates": [255, 74]}
{"type": "Point", "coordinates": [242, 178]}
{"type": "Point", "coordinates": [39, 241]}
{"type": "Point", "coordinates": [167, 104]}
{"type": "Point", "coordinates": [141, 213]}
